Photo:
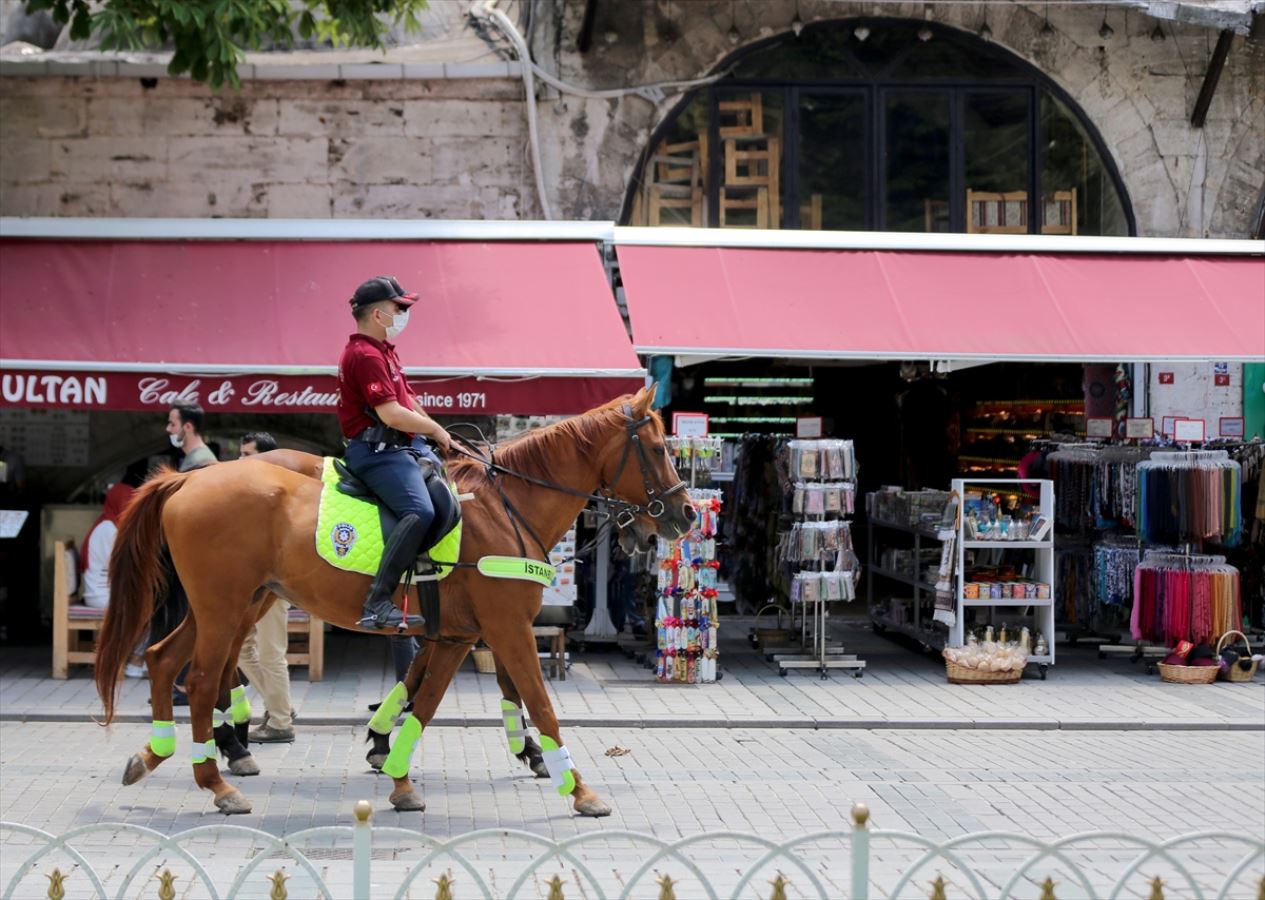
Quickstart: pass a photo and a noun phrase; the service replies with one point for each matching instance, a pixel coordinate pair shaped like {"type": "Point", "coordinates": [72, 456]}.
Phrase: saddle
{"type": "Point", "coordinates": [352, 525]}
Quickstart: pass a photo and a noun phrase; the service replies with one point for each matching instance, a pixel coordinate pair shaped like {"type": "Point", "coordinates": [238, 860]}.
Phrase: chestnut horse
{"type": "Point", "coordinates": [237, 532]}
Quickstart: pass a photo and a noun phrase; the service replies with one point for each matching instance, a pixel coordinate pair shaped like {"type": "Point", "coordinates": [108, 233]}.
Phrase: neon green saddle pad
{"type": "Point", "coordinates": [349, 531]}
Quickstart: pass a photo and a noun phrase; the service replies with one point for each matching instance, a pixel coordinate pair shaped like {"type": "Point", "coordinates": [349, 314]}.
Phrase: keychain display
{"type": "Point", "coordinates": [687, 619]}
{"type": "Point", "coordinates": [696, 456]}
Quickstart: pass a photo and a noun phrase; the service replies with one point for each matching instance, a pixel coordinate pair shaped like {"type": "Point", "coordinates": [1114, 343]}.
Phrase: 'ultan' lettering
{"type": "Point", "coordinates": [64, 390]}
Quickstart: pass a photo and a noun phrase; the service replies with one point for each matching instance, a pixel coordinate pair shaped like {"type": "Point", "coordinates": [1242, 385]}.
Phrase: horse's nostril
{"type": "Point", "coordinates": [690, 513]}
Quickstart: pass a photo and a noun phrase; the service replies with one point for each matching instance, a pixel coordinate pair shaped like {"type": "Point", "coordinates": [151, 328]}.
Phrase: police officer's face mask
{"type": "Point", "coordinates": [398, 321]}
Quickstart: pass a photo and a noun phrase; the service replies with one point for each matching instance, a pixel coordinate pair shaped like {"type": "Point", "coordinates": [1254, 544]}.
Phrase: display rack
{"type": "Point", "coordinates": [687, 618]}
{"type": "Point", "coordinates": [1039, 567]}
{"type": "Point", "coordinates": [908, 622]}
{"type": "Point", "coordinates": [822, 478]}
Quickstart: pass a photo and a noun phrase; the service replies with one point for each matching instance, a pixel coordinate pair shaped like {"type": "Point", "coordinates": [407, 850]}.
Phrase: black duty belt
{"type": "Point", "coordinates": [381, 434]}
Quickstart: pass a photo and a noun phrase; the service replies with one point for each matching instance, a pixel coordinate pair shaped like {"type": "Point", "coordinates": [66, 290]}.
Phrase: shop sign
{"type": "Point", "coordinates": [1167, 425]}
{"type": "Point", "coordinates": [1099, 428]}
{"type": "Point", "coordinates": [1222, 380]}
{"type": "Point", "coordinates": [808, 427]}
{"type": "Point", "coordinates": [1141, 429]}
{"type": "Point", "coordinates": [1189, 431]}
{"type": "Point", "coordinates": [1166, 378]}
{"type": "Point", "coordinates": [1232, 427]}
{"type": "Point", "coordinates": [690, 424]}
{"type": "Point", "coordinates": [295, 393]}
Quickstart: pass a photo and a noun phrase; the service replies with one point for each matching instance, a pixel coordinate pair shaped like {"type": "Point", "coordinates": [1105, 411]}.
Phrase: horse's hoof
{"type": "Point", "coordinates": [538, 767]}
{"type": "Point", "coordinates": [234, 803]}
{"type": "Point", "coordinates": [376, 761]}
{"type": "Point", "coordinates": [244, 765]}
{"type": "Point", "coordinates": [136, 769]}
{"type": "Point", "coordinates": [594, 808]}
{"type": "Point", "coordinates": [407, 801]}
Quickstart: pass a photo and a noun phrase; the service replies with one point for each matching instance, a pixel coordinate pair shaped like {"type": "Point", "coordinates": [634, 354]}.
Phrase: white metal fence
{"type": "Point", "coordinates": [363, 861]}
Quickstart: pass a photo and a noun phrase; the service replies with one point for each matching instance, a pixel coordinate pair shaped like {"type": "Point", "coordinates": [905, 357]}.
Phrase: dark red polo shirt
{"type": "Point", "coordinates": [369, 374]}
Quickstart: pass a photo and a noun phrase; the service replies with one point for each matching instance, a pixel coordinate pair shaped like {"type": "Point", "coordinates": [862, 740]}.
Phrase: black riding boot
{"type": "Point", "coordinates": [398, 554]}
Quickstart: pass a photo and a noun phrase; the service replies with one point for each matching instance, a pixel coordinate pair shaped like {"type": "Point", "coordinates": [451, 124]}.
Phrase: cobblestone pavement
{"type": "Point", "coordinates": [901, 688]}
{"type": "Point", "coordinates": [675, 783]}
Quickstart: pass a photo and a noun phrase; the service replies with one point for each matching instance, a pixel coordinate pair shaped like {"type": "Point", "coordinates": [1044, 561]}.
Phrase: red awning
{"type": "Point", "coordinates": [891, 304]}
{"type": "Point", "coordinates": [502, 327]}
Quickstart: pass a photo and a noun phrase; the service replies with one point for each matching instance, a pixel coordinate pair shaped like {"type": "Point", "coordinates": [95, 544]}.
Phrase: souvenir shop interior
{"type": "Point", "coordinates": [969, 514]}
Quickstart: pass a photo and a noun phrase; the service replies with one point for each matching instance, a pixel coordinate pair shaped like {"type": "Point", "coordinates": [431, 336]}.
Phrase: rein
{"type": "Point", "coordinates": [625, 512]}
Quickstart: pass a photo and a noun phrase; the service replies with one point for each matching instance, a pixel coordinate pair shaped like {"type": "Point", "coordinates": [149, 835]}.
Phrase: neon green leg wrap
{"type": "Point", "coordinates": [401, 755]}
{"type": "Point", "coordinates": [162, 738]}
{"type": "Point", "coordinates": [558, 762]}
{"type": "Point", "coordinates": [203, 751]}
{"type": "Point", "coordinates": [512, 716]}
{"type": "Point", "coordinates": [392, 705]}
{"type": "Point", "coordinates": [241, 706]}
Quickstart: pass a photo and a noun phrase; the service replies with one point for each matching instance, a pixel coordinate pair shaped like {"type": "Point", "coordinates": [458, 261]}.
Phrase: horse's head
{"type": "Point", "coordinates": [635, 467]}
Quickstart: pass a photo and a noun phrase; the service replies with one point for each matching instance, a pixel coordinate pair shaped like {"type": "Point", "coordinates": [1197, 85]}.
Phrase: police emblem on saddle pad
{"type": "Point", "coordinates": [349, 530]}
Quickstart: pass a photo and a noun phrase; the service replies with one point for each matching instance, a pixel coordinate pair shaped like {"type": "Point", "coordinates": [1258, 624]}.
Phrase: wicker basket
{"type": "Point", "coordinates": [962, 675]}
{"type": "Point", "coordinates": [484, 661]}
{"type": "Point", "coordinates": [1188, 674]}
{"type": "Point", "coordinates": [766, 635]}
{"type": "Point", "coordinates": [1235, 673]}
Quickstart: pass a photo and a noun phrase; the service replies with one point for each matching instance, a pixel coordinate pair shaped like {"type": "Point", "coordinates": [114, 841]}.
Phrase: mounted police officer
{"type": "Point", "coordinates": [387, 432]}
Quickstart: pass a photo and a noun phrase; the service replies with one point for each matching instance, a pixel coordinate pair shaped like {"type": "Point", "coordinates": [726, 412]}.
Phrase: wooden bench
{"type": "Point", "coordinates": [75, 628]}
{"type": "Point", "coordinates": [557, 658]}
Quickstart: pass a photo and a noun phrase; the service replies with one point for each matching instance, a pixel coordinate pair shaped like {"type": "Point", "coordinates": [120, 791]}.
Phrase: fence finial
{"type": "Point", "coordinates": [779, 887]}
{"type": "Point", "coordinates": [445, 883]}
{"type": "Point", "coordinates": [667, 888]}
{"type": "Point", "coordinates": [1047, 889]}
{"type": "Point", "coordinates": [56, 885]}
{"type": "Point", "coordinates": [860, 814]}
{"type": "Point", "coordinates": [937, 889]}
{"type": "Point", "coordinates": [279, 892]}
{"type": "Point", "coordinates": [555, 888]}
{"type": "Point", "coordinates": [363, 811]}
{"type": "Point", "coordinates": [1157, 888]}
{"type": "Point", "coordinates": [166, 885]}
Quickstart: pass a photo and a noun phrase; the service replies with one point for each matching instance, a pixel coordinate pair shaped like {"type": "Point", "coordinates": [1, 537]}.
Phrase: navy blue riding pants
{"type": "Point", "coordinates": [394, 475]}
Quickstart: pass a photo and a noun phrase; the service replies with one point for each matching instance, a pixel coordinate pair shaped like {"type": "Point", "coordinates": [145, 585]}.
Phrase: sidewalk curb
{"type": "Point", "coordinates": [789, 723]}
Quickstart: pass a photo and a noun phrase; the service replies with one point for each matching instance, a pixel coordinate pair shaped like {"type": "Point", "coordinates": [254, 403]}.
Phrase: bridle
{"type": "Point", "coordinates": [621, 512]}
{"type": "Point", "coordinates": [656, 493]}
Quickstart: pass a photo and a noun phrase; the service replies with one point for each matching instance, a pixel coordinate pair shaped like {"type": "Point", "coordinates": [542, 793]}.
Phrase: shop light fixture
{"type": "Point", "coordinates": [985, 33]}
{"type": "Point", "coordinates": [861, 33]}
{"type": "Point", "coordinates": [718, 381]}
{"type": "Point", "coordinates": [925, 34]}
{"type": "Point", "coordinates": [1047, 31]}
{"type": "Point", "coordinates": [759, 401]}
{"type": "Point", "coordinates": [1157, 33]}
{"type": "Point", "coordinates": [797, 24]}
{"type": "Point", "coordinates": [753, 420]}
{"type": "Point", "coordinates": [1106, 32]}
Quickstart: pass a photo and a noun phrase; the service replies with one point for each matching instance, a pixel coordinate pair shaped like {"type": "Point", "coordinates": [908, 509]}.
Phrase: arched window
{"type": "Point", "coordinates": [882, 124]}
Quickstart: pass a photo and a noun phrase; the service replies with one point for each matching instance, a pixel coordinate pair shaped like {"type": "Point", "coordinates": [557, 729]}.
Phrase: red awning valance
{"type": "Point", "coordinates": [893, 304]}
{"type": "Point", "coordinates": [502, 327]}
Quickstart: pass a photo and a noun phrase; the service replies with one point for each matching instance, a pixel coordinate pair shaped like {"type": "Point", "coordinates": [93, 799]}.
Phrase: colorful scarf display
{"type": "Point", "coordinates": [1177, 597]}
{"type": "Point", "coordinates": [1190, 497]}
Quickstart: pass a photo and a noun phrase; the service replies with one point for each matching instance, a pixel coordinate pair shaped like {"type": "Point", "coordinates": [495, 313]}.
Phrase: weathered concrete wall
{"type": "Point", "coordinates": [458, 149]}
{"type": "Point", "coordinates": [1138, 92]}
{"type": "Point", "coordinates": [396, 149]}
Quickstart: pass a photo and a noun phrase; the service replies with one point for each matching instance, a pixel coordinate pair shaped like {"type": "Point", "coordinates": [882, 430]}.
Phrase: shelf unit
{"type": "Point", "coordinates": [912, 625]}
{"type": "Point", "coordinates": [1041, 611]}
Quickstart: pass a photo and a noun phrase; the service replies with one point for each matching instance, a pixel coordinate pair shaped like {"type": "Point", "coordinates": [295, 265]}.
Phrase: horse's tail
{"type": "Point", "coordinates": [138, 579]}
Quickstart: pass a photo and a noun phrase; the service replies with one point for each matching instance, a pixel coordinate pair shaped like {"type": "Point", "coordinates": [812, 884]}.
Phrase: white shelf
{"type": "Point", "coordinates": [1004, 602]}
{"type": "Point", "coordinates": [1016, 545]}
{"type": "Point", "coordinates": [1042, 562]}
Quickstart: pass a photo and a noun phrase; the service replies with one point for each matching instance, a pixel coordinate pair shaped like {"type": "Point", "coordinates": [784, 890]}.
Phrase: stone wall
{"type": "Point", "coordinates": [310, 149]}
{"type": "Point", "coordinates": [458, 149]}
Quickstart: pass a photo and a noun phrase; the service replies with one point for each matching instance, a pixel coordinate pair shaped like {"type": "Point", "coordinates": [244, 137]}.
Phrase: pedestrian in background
{"type": "Point", "coordinates": [263, 655]}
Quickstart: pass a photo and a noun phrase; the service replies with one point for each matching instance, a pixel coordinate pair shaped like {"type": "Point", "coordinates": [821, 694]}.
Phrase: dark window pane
{"type": "Point", "coordinates": [749, 128]}
{"type": "Point", "coordinates": [1079, 196]}
{"type": "Point", "coordinates": [996, 142]}
{"type": "Point", "coordinates": [673, 188]}
{"type": "Point", "coordinates": [832, 164]}
{"type": "Point", "coordinates": [916, 162]}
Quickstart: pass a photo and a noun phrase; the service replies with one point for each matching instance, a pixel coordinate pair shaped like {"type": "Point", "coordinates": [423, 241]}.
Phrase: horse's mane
{"type": "Point", "coordinates": [543, 451]}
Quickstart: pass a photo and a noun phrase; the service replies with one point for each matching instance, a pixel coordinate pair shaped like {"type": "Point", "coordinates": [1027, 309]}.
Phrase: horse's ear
{"type": "Point", "coordinates": [644, 400]}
